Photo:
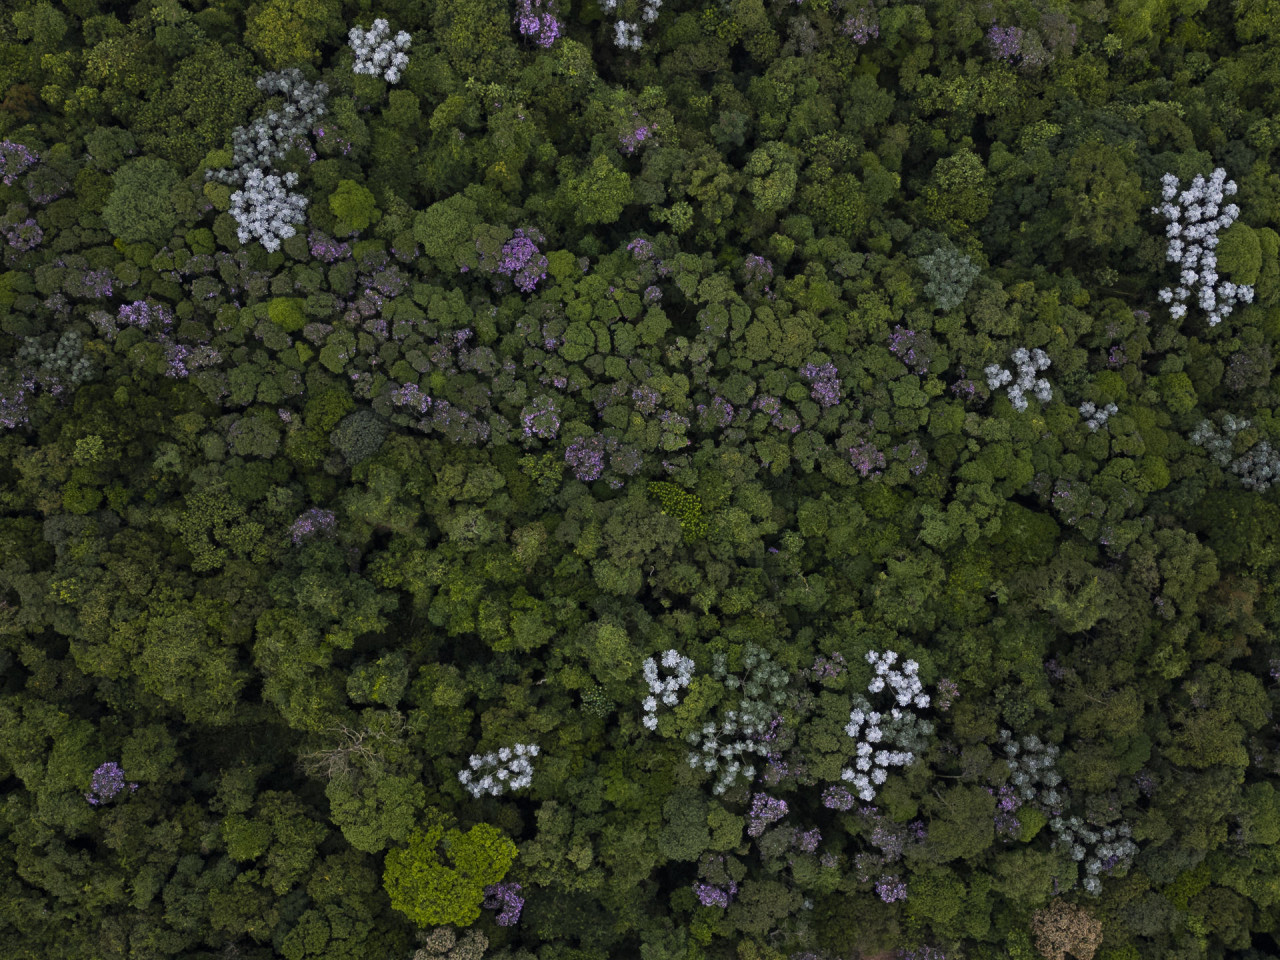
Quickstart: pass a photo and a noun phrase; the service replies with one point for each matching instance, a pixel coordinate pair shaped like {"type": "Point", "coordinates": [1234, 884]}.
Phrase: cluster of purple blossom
{"type": "Point", "coordinates": [108, 780]}
{"type": "Point", "coordinates": [838, 798]}
{"type": "Point", "coordinates": [824, 383]}
{"type": "Point", "coordinates": [521, 260]}
{"type": "Point", "coordinates": [537, 19]}
{"type": "Point", "coordinates": [588, 457]}
{"type": "Point", "coordinates": [756, 268]}
{"type": "Point", "coordinates": [906, 345]}
{"type": "Point", "coordinates": [861, 26]}
{"type": "Point", "coordinates": [14, 396]}
{"type": "Point", "coordinates": [947, 693]}
{"type": "Point", "coordinates": [806, 841]}
{"type": "Point", "coordinates": [505, 897]}
{"type": "Point", "coordinates": [716, 415]}
{"type": "Point", "coordinates": [633, 138]}
{"type": "Point", "coordinates": [1005, 43]}
{"type": "Point", "coordinates": [327, 249]}
{"type": "Point", "coordinates": [784, 418]}
{"type": "Point", "coordinates": [1006, 820]}
{"type": "Point", "coordinates": [24, 236]}
{"type": "Point", "coordinates": [867, 459]}
{"type": "Point", "coordinates": [313, 521]}
{"type": "Point", "coordinates": [915, 458]}
{"type": "Point", "coordinates": [891, 889]}
{"type": "Point", "coordinates": [764, 811]}
{"type": "Point", "coordinates": [15, 159]}
{"type": "Point", "coordinates": [541, 419]}
{"type": "Point", "coordinates": [827, 667]}
{"type": "Point", "coordinates": [713, 896]}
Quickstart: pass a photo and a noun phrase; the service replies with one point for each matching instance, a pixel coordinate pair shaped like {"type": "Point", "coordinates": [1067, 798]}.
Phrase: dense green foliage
{"type": "Point", "coordinates": [350, 589]}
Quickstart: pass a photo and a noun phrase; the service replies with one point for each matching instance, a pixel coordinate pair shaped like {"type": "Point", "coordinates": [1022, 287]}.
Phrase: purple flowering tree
{"type": "Point", "coordinates": [537, 19]}
{"type": "Point", "coordinates": [506, 898]}
{"type": "Point", "coordinates": [108, 781]}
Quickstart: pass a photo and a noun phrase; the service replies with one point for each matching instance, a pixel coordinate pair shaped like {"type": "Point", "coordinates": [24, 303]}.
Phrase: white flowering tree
{"type": "Point", "coordinates": [492, 774]}
{"type": "Point", "coordinates": [876, 733]}
{"type": "Point", "coordinates": [1028, 363]}
{"type": "Point", "coordinates": [626, 32]}
{"type": "Point", "coordinates": [1095, 416]}
{"type": "Point", "coordinates": [1194, 223]}
{"type": "Point", "coordinates": [377, 53]}
{"type": "Point", "coordinates": [667, 689]}
{"type": "Point", "coordinates": [266, 210]}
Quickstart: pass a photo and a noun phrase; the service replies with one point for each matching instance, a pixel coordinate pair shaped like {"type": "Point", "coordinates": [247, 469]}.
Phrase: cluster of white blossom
{"type": "Point", "coordinates": [263, 207]}
{"type": "Point", "coordinates": [1258, 467]}
{"type": "Point", "coordinates": [896, 727]}
{"type": "Point", "coordinates": [626, 33]}
{"type": "Point", "coordinates": [376, 53]}
{"type": "Point", "coordinates": [265, 141]}
{"type": "Point", "coordinates": [669, 688]}
{"type": "Point", "coordinates": [1029, 363]}
{"type": "Point", "coordinates": [512, 769]}
{"type": "Point", "coordinates": [265, 210]}
{"type": "Point", "coordinates": [1112, 848]}
{"type": "Point", "coordinates": [752, 725]}
{"type": "Point", "coordinates": [712, 752]}
{"type": "Point", "coordinates": [1094, 416]}
{"type": "Point", "coordinates": [1031, 764]}
{"type": "Point", "coordinates": [1192, 233]}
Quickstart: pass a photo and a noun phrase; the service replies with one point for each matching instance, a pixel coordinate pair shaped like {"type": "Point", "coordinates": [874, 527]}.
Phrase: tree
{"type": "Point", "coordinates": [1064, 928]}
{"type": "Point", "coordinates": [1240, 253]}
{"type": "Point", "coordinates": [141, 206]}
{"type": "Point", "coordinates": [354, 206]}
{"type": "Point", "coordinates": [287, 33]}
{"type": "Point", "coordinates": [597, 195]}
{"type": "Point", "coordinates": [1103, 194]}
{"type": "Point", "coordinates": [429, 892]}
{"type": "Point", "coordinates": [959, 191]}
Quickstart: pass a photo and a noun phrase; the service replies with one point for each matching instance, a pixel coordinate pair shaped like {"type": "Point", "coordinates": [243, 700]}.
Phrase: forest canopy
{"type": "Point", "coordinates": [581, 479]}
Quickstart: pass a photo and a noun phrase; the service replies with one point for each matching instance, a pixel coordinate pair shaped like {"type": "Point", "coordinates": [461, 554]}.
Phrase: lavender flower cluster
{"type": "Point", "coordinates": [108, 780]}
{"type": "Point", "coordinates": [867, 459]}
{"type": "Point", "coordinates": [505, 897]}
{"type": "Point", "coordinates": [1192, 239]}
{"type": "Point", "coordinates": [669, 688]}
{"type": "Point", "coordinates": [509, 766]}
{"type": "Point", "coordinates": [909, 347]}
{"type": "Point", "coordinates": [376, 53]}
{"type": "Point", "coordinates": [891, 889]}
{"type": "Point", "coordinates": [23, 236]}
{"type": "Point", "coordinates": [1096, 417]}
{"type": "Point", "coordinates": [713, 896]}
{"type": "Point", "coordinates": [520, 260]}
{"type": "Point", "coordinates": [764, 811]}
{"type": "Point", "coordinates": [1005, 43]}
{"type": "Point", "coordinates": [861, 26]}
{"type": "Point", "coordinates": [15, 160]}
{"type": "Point", "coordinates": [1029, 363]}
{"type": "Point", "coordinates": [899, 727]}
{"type": "Point", "coordinates": [537, 19]}
{"type": "Point", "coordinates": [824, 383]}
{"type": "Point", "coordinates": [313, 521]}
{"type": "Point", "coordinates": [541, 419]}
